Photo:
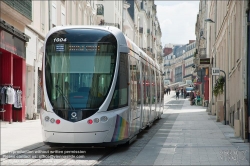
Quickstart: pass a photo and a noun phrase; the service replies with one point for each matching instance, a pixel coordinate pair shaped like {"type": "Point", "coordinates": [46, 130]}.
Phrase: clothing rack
{"type": "Point", "coordinates": [2, 110]}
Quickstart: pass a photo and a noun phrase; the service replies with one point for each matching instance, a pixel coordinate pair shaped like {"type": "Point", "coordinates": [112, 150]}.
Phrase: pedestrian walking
{"type": "Point", "coordinates": [185, 93]}
{"type": "Point", "coordinates": [191, 98]}
{"type": "Point", "coordinates": [177, 93]}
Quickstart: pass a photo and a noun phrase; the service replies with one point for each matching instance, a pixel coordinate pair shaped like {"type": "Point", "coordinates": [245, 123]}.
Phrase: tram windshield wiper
{"type": "Point", "coordinates": [64, 97]}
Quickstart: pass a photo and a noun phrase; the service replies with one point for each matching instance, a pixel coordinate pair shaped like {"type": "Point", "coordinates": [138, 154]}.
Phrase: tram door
{"type": "Point", "coordinates": [135, 95]}
{"type": "Point", "coordinates": [146, 94]}
{"type": "Point", "coordinates": [153, 95]}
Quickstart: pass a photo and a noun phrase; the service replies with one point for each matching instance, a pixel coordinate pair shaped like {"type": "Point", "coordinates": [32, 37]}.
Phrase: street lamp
{"type": "Point", "coordinates": [211, 21]}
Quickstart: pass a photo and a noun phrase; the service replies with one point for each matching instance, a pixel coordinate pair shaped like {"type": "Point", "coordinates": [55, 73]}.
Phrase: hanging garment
{"type": "Point", "coordinates": [3, 95]}
{"type": "Point", "coordinates": [10, 95]}
{"type": "Point", "coordinates": [18, 99]}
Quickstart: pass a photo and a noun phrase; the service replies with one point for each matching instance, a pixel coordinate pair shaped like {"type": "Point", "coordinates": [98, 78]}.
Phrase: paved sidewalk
{"type": "Point", "coordinates": [192, 137]}
{"type": "Point", "coordinates": [19, 135]}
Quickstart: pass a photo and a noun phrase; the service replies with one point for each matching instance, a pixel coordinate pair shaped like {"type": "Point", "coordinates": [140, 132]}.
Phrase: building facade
{"type": "Point", "coordinates": [225, 41]}
{"type": "Point", "coordinates": [188, 61]}
{"type": "Point", "coordinates": [178, 64]}
{"type": "Point", "coordinates": [13, 69]}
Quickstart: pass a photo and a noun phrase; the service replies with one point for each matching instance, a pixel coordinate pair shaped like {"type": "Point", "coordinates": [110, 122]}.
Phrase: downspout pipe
{"type": "Point", "coordinates": [248, 68]}
{"type": "Point", "coordinates": [49, 7]}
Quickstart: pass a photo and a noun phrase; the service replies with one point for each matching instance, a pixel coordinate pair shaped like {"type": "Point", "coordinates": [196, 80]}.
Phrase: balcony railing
{"type": "Point", "coordinates": [100, 9]}
{"type": "Point", "coordinates": [24, 7]}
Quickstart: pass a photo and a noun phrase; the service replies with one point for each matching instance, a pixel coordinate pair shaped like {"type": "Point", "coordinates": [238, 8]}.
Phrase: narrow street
{"type": "Point", "coordinates": [186, 135]}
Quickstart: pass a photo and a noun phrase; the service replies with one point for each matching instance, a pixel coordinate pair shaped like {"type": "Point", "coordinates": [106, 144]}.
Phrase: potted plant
{"type": "Point", "coordinates": [218, 88]}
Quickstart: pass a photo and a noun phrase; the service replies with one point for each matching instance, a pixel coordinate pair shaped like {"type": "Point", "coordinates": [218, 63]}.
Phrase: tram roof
{"type": "Point", "coordinates": [140, 52]}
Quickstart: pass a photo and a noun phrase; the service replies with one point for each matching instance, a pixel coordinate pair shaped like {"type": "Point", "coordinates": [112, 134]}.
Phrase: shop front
{"type": "Point", "coordinates": [12, 73]}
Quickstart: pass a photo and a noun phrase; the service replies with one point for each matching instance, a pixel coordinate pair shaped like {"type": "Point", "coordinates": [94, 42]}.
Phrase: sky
{"type": "Point", "coordinates": [177, 20]}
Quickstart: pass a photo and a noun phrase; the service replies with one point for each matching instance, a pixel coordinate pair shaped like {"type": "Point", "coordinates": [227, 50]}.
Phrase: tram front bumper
{"type": "Point", "coordinates": [75, 138]}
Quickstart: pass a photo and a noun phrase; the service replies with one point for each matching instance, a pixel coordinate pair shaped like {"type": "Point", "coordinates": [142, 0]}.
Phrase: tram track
{"type": "Point", "coordinates": [105, 156]}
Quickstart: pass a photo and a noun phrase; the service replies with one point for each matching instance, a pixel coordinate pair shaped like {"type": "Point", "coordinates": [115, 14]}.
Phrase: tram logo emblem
{"type": "Point", "coordinates": [73, 114]}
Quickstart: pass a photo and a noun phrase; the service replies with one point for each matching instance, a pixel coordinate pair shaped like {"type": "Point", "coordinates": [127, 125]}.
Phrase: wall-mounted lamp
{"type": "Point", "coordinates": [209, 20]}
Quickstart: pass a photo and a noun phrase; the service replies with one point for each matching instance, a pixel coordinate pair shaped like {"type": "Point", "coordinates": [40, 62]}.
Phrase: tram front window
{"type": "Point", "coordinates": [79, 75]}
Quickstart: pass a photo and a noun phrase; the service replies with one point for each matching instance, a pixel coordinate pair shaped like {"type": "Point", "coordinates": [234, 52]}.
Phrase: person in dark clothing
{"type": "Point", "coordinates": [177, 94]}
{"type": "Point", "coordinates": [185, 93]}
{"type": "Point", "coordinates": [191, 97]}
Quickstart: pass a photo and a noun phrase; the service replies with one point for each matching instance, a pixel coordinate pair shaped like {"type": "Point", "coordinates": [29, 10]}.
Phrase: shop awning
{"type": "Point", "coordinates": [185, 85]}
{"type": "Point", "coordinates": [177, 84]}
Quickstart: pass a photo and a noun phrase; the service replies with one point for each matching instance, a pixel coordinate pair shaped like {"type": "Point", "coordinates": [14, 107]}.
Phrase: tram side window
{"type": "Point", "coordinates": [148, 82]}
{"type": "Point", "coordinates": [120, 96]}
{"type": "Point", "coordinates": [153, 85]}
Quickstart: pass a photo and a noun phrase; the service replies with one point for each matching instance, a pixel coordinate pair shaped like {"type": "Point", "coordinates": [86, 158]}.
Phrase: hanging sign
{"type": "Point", "coordinates": [215, 71]}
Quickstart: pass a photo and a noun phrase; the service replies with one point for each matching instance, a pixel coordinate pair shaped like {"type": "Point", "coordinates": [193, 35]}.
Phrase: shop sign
{"type": "Point", "coordinates": [205, 61]}
{"type": "Point", "coordinates": [12, 44]}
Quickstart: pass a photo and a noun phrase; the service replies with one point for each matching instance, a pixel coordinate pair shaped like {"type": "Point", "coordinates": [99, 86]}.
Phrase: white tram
{"type": "Point", "coordinates": [98, 87]}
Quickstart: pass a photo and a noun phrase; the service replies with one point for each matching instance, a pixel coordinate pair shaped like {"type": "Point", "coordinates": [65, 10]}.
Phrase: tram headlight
{"type": "Point", "coordinates": [104, 119]}
{"type": "Point", "coordinates": [52, 120]}
{"type": "Point", "coordinates": [46, 118]}
{"type": "Point", "coordinates": [96, 120]}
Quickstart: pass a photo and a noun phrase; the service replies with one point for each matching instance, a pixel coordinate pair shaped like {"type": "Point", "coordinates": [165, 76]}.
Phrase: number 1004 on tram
{"type": "Point", "coordinates": [99, 88]}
